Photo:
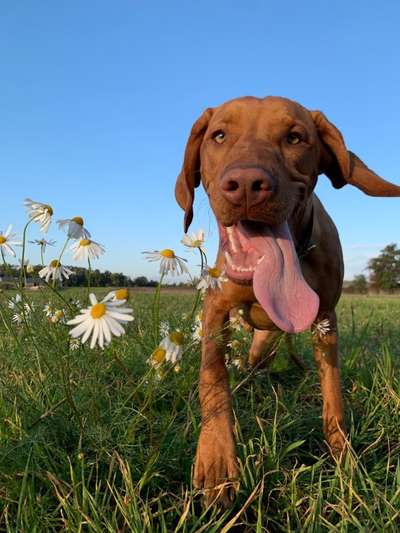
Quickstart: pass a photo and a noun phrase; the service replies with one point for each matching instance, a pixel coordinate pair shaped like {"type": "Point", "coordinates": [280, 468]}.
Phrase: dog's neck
{"type": "Point", "coordinates": [302, 225]}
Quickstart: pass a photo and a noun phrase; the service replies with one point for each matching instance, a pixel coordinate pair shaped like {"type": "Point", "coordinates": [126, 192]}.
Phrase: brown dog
{"type": "Point", "coordinates": [258, 160]}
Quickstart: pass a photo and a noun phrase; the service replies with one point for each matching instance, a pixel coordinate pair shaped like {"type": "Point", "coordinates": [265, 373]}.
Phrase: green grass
{"type": "Point", "coordinates": [94, 441]}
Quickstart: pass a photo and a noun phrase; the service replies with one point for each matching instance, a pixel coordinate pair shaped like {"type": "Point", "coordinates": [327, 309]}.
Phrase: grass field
{"type": "Point", "coordinates": [98, 441]}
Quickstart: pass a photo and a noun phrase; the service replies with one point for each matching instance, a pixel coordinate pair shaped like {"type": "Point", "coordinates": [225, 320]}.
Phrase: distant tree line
{"type": "Point", "coordinates": [10, 274]}
{"type": "Point", "coordinates": [384, 273]}
{"type": "Point", "coordinates": [384, 276]}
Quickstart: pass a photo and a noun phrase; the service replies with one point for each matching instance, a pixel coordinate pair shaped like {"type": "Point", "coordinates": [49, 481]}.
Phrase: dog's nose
{"type": "Point", "coordinates": [250, 185]}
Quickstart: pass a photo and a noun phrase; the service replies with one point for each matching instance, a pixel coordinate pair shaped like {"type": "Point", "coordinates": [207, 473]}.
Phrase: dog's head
{"type": "Point", "coordinates": [259, 160]}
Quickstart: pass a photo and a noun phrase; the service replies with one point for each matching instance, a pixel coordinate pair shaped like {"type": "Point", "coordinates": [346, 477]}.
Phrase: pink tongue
{"type": "Point", "coordinates": [279, 285]}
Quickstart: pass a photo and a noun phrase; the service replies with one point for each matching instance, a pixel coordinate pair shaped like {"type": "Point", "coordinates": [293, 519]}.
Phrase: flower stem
{"type": "Point", "coordinates": [22, 272]}
{"type": "Point", "coordinates": [63, 249]}
{"type": "Point", "coordinates": [156, 310]}
{"type": "Point", "coordinates": [89, 278]}
{"type": "Point", "coordinates": [203, 260]}
{"type": "Point", "coordinates": [59, 258]}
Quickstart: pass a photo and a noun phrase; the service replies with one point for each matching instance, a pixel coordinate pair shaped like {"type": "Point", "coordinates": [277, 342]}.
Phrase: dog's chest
{"type": "Point", "coordinates": [255, 315]}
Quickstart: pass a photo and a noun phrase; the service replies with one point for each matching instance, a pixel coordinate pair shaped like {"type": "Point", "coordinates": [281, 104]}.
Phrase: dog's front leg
{"type": "Point", "coordinates": [216, 466]}
{"type": "Point", "coordinates": [326, 356]}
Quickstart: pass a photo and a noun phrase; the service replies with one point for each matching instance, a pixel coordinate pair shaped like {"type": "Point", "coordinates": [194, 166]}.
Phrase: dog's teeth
{"type": "Point", "coordinates": [261, 258]}
{"type": "Point", "coordinates": [228, 258]}
{"type": "Point", "coordinates": [231, 238]}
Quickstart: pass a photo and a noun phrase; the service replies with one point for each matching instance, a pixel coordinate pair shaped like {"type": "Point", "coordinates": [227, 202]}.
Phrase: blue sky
{"type": "Point", "coordinates": [97, 99]}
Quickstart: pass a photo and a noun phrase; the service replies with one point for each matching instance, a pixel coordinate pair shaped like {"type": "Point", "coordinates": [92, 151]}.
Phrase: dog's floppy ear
{"type": "Point", "coordinates": [342, 166]}
{"type": "Point", "coordinates": [189, 177]}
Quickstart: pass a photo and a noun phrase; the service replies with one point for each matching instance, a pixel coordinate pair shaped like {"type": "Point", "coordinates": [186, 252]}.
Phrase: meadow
{"type": "Point", "coordinates": [98, 440]}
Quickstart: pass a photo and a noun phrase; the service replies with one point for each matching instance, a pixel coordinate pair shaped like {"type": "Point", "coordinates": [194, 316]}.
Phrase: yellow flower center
{"type": "Point", "coordinates": [98, 310]}
{"type": "Point", "coordinates": [158, 356]}
{"type": "Point", "coordinates": [168, 253]}
{"type": "Point", "coordinates": [214, 272]}
{"type": "Point", "coordinates": [55, 263]}
{"type": "Point", "coordinates": [78, 220]}
{"type": "Point", "coordinates": [85, 242]}
{"type": "Point", "coordinates": [59, 313]}
{"type": "Point", "coordinates": [3, 239]}
{"type": "Point", "coordinates": [176, 337]}
{"type": "Point", "coordinates": [197, 243]}
{"type": "Point", "coordinates": [49, 209]}
{"type": "Point", "coordinates": [122, 294]}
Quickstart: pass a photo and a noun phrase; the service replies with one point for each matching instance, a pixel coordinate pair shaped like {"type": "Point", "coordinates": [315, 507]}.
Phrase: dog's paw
{"type": "Point", "coordinates": [336, 437]}
{"type": "Point", "coordinates": [216, 469]}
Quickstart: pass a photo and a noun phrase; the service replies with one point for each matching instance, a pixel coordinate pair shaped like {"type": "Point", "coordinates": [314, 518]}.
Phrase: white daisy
{"type": "Point", "coordinates": [43, 243]}
{"type": "Point", "coordinates": [169, 262]}
{"type": "Point", "coordinates": [55, 270]}
{"type": "Point", "coordinates": [6, 239]}
{"type": "Point", "coordinates": [157, 357]}
{"type": "Point", "coordinates": [120, 295]}
{"type": "Point", "coordinates": [101, 320]}
{"type": "Point", "coordinates": [75, 228]}
{"type": "Point", "coordinates": [173, 346]}
{"type": "Point", "coordinates": [85, 249]}
{"type": "Point", "coordinates": [40, 213]}
{"type": "Point", "coordinates": [196, 240]}
{"type": "Point", "coordinates": [74, 344]}
{"type": "Point", "coordinates": [212, 278]}
{"type": "Point", "coordinates": [235, 322]}
{"type": "Point", "coordinates": [164, 328]}
{"type": "Point", "coordinates": [13, 302]}
{"type": "Point", "coordinates": [197, 334]}
{"type": "Point", "coordinates": [48, 309]}
{"type": "Point", "coordinates": [59, 316]}
{"type": "Point", "coordinates": [17, 318]}
{"type": "Point", "coordinates": [322, 328]}
{"type": "Point", "coordinates": [30, 269]}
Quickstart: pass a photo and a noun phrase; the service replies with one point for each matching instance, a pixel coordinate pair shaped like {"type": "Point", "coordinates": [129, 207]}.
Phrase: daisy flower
{"type": "Point", "coordinates": [59, 316]}
{"type": "Point", "coordinates": [13, 302]}
{"type": "Point", "coordinates": [157, 357]}
{"type": "Point", "coordinates": [197, 334]}
{"type": "Point", "coordinates": [27, 266]}
{"type": "Point", "coordinates": [322, 328]}
{"type": "Point", "coordinates": [169, 262]}
{"type": "Point", "coordinates": [85, 249]}
{"type": "Point", "coordinates": [17, 318]}
{"type": "Point", "coordinates": [43, 243]}
{"type": "Point", "coordinates": [55, 270]}
{"type": "Point", "coordinates": [6, 239]}
{"type": "Point", "coordinates": [173, 346]}
{"type": "Point", "coordinates": [164, 328]}
{"type": "Point", "coordinates": [74, 344]}
{"type": "Point", "coordinates": [48, 310]}
{"type": "Point", "coordinates": [196, 240]}
{"type": "Point", "coordinates": [101, 320]}
{"type": "Point", "coordinates": [212, 278]}
{"type": "Point", "coordinates": [120, 295]}
{"type": "Point", "coordinates": [40, 213]}
{"type": "Point", "coordinates": [75, 228]}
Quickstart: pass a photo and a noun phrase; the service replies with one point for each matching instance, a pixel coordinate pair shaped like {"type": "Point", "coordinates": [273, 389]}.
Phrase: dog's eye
{"type": "Point", "coordinates": [219, 136]}
{"type": "Point", "coordinates": [294, 138]}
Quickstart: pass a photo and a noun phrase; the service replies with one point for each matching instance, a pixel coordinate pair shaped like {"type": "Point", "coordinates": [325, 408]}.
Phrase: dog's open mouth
{"type": "Point", "coordinates": [266, 257]}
